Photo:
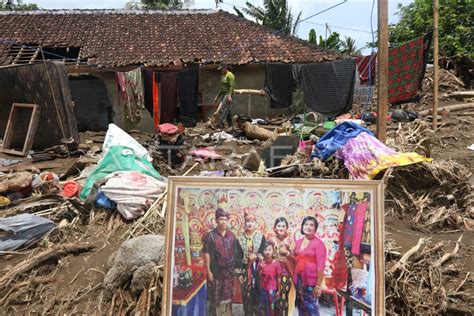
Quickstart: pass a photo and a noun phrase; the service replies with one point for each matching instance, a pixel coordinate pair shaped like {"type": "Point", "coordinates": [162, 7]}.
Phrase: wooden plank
{"type": "Point", "coordinates": [435, 63]}
{"type": "Point", "coordinates": [28, 167]}
{"type": "Point", "coordinates": [9, 129]}
{"type": "Point", "coordinates": [30, 134]}
{"type": "Point", "coordinates": [382, 75]}
{"type": "Point", "coordinates": [451, 108]}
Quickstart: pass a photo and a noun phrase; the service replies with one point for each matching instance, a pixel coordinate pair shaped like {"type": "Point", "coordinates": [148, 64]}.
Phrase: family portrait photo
{"type": "Point", "coordinates": [274, 247]}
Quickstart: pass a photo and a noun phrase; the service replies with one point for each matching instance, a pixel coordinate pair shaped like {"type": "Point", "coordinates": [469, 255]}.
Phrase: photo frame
{"type": "Point", "coordinates": [228, 250]}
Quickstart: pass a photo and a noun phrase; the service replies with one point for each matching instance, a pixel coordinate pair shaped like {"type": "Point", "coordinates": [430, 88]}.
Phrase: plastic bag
{"type": "Point", "coordinates": [23, 230]}
{"type": "Point", "coordinates": [117, 137]}
{"type": "Point", "coordinates": [118, 158]}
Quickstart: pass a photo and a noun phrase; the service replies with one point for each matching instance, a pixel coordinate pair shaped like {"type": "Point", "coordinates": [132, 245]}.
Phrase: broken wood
{"type": "Point", "coordinates": [252, 132]}
{"type": "Point", "coordinates": [449, 254]}
{"type": "Point", "coordinates": [455, 107]}
{"type": "Point", "coordinates": [466, 114]}
{"type": "Point", "coordinates": [407, 255]}
{"type": "Point", "coordinates": [460, 94]}
{"type": "Point", "coordinates": [12, 128]}
{"type": "Point", "coordinates": [29, 167]}
{"type": "Point", "coordinates": [260, 92]}
{"type": "Point", "coordinates": [54, 252]}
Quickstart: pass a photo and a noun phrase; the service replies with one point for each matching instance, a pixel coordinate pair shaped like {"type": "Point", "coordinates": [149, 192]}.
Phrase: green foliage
{"type": "Point", "coordinates": [312, 36]}
{"type": "Point", "coordinates": [456, 25]}
{"type": "Point", "coordinates": [162, 4]}
{"type": "Point", "coordinates": [275, 14]}
{"type": "Point", "coordinates": [348, 47]}
{"type": "Point", "coordinates": [19, 5]}
{"type": "Point", "coordinates": [331, 42]}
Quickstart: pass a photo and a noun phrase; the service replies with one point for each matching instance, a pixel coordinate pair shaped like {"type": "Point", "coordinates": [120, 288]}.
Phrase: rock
{"type": "Point", "coordinates": [134, 260]}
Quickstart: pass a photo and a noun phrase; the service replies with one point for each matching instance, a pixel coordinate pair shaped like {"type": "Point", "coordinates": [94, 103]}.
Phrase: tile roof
{"type": "Point", "coordinates": [115, 38]}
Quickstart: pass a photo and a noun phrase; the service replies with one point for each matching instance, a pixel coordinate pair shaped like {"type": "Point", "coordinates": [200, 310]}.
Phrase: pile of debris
{"type": "Point", "coordinates": [448, 82]}
{"type": "Point", "coordinates": [427, 280]}
{"type": "Point", "coordinates": [437, 195]}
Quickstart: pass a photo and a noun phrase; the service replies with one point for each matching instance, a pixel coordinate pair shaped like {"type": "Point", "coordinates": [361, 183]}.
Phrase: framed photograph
{"type": "Point", "coordinates": [266, 246]}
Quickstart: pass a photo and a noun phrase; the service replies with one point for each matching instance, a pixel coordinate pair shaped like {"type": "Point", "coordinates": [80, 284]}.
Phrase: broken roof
{"type": "Point", "coordinates": [115, 38]}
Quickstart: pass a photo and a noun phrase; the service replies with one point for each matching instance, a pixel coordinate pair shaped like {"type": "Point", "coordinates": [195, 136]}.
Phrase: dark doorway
{"type": "Point", "coordinates": [92, 104]}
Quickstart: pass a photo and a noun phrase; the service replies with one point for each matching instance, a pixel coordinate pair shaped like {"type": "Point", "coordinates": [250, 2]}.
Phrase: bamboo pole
{"type": "Point", "coordinates": [435, 63]}
{"type": "Point", "coordinates": [382, 71]}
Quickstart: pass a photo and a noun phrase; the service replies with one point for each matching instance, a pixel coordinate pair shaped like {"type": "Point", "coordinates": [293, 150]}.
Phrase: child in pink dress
{"type": "Point", "coordinates": [269, 271]}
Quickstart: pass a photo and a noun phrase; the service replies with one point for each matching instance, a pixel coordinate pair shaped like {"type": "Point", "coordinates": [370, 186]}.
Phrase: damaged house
{"type": "Point", "coordinates": [176, 53]}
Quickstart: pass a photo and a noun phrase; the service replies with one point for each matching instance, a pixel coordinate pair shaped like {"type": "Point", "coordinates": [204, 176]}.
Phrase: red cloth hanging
{"type": "Point", "coordinates": [156, 104]}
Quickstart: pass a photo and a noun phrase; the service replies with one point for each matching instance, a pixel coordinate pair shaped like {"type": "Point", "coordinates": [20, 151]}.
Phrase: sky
{"type": "Point", "coordinates": [351, 18]}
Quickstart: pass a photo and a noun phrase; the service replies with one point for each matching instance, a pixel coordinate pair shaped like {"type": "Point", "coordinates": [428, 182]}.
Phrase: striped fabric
{"type": "Point", "coordinates": [366, 68]}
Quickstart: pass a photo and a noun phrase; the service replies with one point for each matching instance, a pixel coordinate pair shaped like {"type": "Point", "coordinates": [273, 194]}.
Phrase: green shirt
{"type": "Point", "coordinates": [227, 84]}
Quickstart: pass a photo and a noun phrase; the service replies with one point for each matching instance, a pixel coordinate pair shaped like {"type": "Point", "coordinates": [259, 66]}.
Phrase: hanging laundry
{"type": "Point", "coordinates": [327, 145]}
{"type": "Point", "coordinates": [366, 69]}
{"type": "Point", "coordinates": [188, 88]}
{"type": "Point", "coordinates": [169, 96]}
{"type": "Point", "coordinates": [406, 69]}
{"type": "Point", "coordinates": [328, 87]}
{"type": "Point", "coordinates": [131, 94]}
{"type": "Point", "coordinates": [279, 85]}
{"type": "Point", "coordinates": [148, 89]}
{"type": "Point", "coordinates": [156, 100]}
{"type": "Point", "coordinates": [365, 156]}
{"type": "Point", "coordinates": [363, 93]}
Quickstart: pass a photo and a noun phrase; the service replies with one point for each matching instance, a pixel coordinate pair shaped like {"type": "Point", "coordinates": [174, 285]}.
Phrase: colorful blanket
{"type": "Point", "coordinates": [365, 156]}
{"type": "Point", "coordinates": [406, 69]}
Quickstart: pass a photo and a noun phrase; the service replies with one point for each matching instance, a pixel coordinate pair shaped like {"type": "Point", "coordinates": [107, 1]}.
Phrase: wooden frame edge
{"type": "Point", "coordinates": [377, 186]}
{"type": "Point", "coordinates": [30, 133]}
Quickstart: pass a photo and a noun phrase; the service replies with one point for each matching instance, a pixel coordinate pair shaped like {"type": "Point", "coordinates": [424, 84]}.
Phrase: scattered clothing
{"type": "Point", "coordinates": [406, 69]}
{"type": "Point", "coordinates": [365, 156]}
{"type": "Point", "coordinates": [328, 87]}
{"type": "Point", "coordinates": [23, 230]}
{"type": "Point", "coordinates": [188, 89]}
{"type": "Point", "coordinates": [101, 200]}
{"type": "Point", "coordinates": [366, 69]}
{"type": "Point", "coordinates": [118, 158]}
{"type": "Point", "coordinates": [205, 153]}
{"type": "Point", "coordinates": [279, 84]}
{"type": "Point", "coordinates": [169, 96]}
{"type": "Point", "coordinates": [133, 192]}
{"type": "Point", "coordinates": [327, 145]}
{"type": "Point", "coordinates": [71, 188]}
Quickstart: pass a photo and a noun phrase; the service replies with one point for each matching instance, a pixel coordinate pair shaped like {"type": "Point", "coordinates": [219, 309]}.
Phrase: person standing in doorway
{"type": "Point", "coordinates": [218, 250]}
{"type": "Point", "coordinates": [224, 97]}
